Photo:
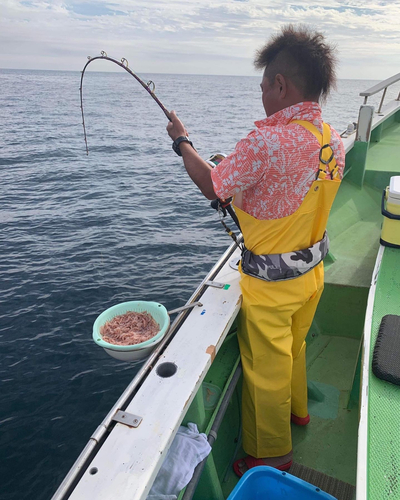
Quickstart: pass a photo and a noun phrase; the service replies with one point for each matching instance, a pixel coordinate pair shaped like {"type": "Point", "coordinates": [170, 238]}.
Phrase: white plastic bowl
{"type": "Point", "coordinates": [134, 352]}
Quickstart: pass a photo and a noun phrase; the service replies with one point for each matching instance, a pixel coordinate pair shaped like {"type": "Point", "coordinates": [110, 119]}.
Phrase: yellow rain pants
{"type": "Point", "coordinates": [275, 316]}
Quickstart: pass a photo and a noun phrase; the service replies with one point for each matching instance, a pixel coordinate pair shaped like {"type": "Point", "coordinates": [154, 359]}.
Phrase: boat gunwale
{"type": "Point", "coordinates": [95, 441]}
{"type": "Point", "coordinates": [362, 447]}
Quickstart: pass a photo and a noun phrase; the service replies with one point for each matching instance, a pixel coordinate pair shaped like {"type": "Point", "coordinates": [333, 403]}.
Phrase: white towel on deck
{"type": "Point", "coordinates": [187, 450]}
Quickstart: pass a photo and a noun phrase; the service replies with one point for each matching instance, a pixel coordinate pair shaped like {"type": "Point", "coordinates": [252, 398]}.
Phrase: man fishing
{"type": "Point", "coordinates": [284, 177]}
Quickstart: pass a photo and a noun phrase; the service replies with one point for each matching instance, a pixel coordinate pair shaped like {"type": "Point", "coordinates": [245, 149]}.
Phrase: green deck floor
{"type": "Point", "coordinates": [383, 159]}
{"type": "Point", "coordinates": [329, 443]}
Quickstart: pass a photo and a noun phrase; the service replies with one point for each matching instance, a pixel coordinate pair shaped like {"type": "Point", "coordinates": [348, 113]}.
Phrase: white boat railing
{"type": "Point", "coordinates": [381, 86]}
{"type": "Point", "coordinates": [91, 448]}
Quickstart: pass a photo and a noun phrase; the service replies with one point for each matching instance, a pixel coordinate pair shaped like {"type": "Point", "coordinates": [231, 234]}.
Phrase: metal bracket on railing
{"type": "Point", "coordinates": [381, 104]}
{"type": "Point", "coordinates": [187, 306]}
{"type": "Point", "coordinates": [128, 419]}
{"type": "Point", "coordinates": [215, 284]}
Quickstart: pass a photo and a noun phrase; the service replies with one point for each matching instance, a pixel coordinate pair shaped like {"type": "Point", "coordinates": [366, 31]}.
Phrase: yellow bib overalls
{"type": "Point", "coordinates": [275, 316]}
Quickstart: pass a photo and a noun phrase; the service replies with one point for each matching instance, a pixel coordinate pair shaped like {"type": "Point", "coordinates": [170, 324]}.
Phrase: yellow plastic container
{"type": "Point", "coordinates": [390, 235]}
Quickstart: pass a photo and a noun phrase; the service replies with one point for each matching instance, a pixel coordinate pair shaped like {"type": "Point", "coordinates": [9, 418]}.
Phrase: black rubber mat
{"type": "Point", "coordinates": [336, 488]}
{"type": "Point", "coordinates": [385, 361]}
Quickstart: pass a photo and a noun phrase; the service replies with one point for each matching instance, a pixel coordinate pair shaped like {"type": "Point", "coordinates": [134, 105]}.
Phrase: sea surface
{"type": "Point", "coordinates": [80, 233]}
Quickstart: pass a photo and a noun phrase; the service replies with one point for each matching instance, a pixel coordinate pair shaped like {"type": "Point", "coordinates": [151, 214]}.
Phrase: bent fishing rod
{"type": "Point", "coordinates": [123, 63]}
{"type": "Point", "coordinates": [150, 88]}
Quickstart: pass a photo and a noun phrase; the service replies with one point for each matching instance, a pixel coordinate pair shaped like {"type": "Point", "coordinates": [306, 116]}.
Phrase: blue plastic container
{"type": "Point", "coordinates": [267, 483]}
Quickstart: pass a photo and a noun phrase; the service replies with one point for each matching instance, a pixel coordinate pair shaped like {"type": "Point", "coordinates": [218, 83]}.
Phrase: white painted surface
{"type": "Point", "coordinates": [129, 460]}
{"type": "Point", "coordinates": [362, 452]}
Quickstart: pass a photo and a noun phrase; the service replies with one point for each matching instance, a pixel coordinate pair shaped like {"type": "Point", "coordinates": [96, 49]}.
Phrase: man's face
{"type": "Point", "coordinates": [270, 95]}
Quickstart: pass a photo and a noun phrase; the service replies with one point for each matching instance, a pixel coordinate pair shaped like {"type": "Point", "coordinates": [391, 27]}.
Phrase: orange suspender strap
{"type": "Point", "coordinates": [326, 156]}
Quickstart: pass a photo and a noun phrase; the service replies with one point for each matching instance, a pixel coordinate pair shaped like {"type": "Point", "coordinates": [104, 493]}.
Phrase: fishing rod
{"type": "Point", "coordinates": [123, 63]}
{"type": "Point", "coordinates": [150, 88]}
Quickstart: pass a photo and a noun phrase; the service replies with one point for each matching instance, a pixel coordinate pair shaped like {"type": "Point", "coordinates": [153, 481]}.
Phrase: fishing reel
{"type": "Point", "coordinates": [219, 205]}
{"type": "Point", "coordinates": [216, 159]}
{"type": "Point", "coordinates": [223, 207]}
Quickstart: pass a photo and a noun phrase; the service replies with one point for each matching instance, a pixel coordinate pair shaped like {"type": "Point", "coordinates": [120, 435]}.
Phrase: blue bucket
{"type": "Point", "coordinates": [261, 483]}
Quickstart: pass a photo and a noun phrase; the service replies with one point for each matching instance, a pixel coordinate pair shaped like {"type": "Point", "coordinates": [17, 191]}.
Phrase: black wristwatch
{"type": "Point", "coordinates": [175, 144]}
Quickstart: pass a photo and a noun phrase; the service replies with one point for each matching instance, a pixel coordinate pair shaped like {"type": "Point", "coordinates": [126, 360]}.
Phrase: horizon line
{"type": "Point", "coordinates": [155, 73]}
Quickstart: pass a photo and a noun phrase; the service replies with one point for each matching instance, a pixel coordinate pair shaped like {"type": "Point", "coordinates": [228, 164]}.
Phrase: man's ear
{"type": "Point", "coordinates": [282, 85]}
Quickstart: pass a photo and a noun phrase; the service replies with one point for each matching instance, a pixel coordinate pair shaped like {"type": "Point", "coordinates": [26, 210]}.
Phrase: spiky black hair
{"type": "Point", "coordinates": [302, 55]}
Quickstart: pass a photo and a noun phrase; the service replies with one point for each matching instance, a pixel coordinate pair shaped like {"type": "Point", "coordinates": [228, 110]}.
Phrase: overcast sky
{"type": "Point", "coordinates": [193, 36]}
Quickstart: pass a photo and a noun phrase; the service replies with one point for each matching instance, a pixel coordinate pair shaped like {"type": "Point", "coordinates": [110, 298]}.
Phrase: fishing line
{"type": "Point", "coordinates": [149, 87]}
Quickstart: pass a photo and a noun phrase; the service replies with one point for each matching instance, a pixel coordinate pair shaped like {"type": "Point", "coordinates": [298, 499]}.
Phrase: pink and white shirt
{"type": "Point", "coordinates": [272, 169]}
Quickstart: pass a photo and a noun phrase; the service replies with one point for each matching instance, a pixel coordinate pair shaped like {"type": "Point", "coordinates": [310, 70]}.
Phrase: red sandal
{"type": "Point", "coordinates": [299, 420]}
{"type": "Point", "coordinates": [251, 462]}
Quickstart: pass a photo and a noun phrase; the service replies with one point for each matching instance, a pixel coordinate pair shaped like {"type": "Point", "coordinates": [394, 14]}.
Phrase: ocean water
{"type": "Point", "coordinates": [81, 233]}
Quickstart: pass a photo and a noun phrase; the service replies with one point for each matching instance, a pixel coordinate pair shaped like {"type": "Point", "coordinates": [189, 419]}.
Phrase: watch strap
{"type": "Point", "coordinates": [177, 142]}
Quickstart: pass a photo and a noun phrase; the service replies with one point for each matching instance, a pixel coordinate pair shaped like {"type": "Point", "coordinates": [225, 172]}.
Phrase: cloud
{"type": "Point", "coordinates": [94, 9]}
{"type": "Point", "coordinates": [219, 36]}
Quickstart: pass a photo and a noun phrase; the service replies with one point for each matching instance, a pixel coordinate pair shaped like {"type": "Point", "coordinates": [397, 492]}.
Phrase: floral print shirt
{"type": "Point", "coordinates": [272, 169]}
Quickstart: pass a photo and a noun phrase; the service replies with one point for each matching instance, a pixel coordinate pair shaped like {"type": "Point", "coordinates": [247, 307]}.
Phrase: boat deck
{"type": "Point", "coordinates": [356, 219]}
{"type": "Point", "coordinates": [329, 443]}
{"type": "Point", "coordinates": [383, 159]}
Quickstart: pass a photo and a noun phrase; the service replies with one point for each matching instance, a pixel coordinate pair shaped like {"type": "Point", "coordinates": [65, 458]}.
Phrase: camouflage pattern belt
{"type": "Point", "coordinates": [284, 266]}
